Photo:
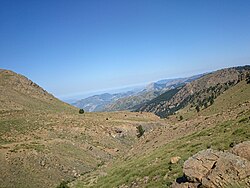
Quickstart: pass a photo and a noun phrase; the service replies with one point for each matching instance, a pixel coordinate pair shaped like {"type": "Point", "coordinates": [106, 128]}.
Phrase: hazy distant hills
{"type": "Point", "coordinates": [162, 85]}
{"type": "Point", "coordinates": [132, 99]}
{"type": "Point", "coordinates": [199, 93]}
{"type": "Point", "coordinates": [98, 102]}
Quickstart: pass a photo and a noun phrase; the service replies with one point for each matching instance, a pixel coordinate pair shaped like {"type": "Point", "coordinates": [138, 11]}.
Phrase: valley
{"type": "Point", "coordinates": [147, 164]}
{"type": "Point", "coordinates": [124, 94]}
{"type": "Point", "coordinates": [45, 142]}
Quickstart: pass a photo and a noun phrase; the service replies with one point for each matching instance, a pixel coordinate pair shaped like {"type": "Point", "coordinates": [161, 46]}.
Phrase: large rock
{"type": "Point", "coordinates": [185, 185]}
{"type": "Point", "coordinates": [213, 169]}
{"type": "Point", "coordinates": [242, 150]}
{"type": "Point", "coordinates": [229, 169]}
{"type": "Point", "coordinates": [199, 165]}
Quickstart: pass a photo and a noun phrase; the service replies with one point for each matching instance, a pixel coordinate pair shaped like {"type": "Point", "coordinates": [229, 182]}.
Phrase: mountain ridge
{"type": "Point", "coordinates": [130, 99]}
{"type": "Point", "coordinates": [19, 92]}
{"type": "Point", "coordinates": [229, 76]}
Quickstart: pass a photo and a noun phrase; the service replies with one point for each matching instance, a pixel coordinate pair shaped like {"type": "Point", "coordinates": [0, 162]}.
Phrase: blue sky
{"type": "Point", "coordinates": [81, 46]}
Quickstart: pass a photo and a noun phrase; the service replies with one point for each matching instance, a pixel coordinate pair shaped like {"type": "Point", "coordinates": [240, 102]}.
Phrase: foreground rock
{"type": "Point", "coordinates": [242, 150]}
{"type": "Point", "coordinates": [210, 168]}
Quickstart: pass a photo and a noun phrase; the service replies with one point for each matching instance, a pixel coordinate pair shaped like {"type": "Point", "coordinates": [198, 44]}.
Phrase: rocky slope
{"type": "Point", "coordinates": [199, 93]}
{"type": "Point", "coordinates": [19, 93]}
{"type": "Point", "coordinates": [44, 141]}
{"type": "Point", "coordinates": [157, 159]}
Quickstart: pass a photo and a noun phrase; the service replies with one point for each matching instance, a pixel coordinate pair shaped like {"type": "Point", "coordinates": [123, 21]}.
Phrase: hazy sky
{"type": "Point", "coordinates": [70, 46]}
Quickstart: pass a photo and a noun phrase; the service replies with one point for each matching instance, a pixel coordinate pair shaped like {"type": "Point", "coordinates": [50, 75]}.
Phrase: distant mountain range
{"type": "Point", "coordinates": [130, 100]}
{"type": "Point", "coordinates": [199, 93]}
{"type": "Point", "coordinates": [97, 103]}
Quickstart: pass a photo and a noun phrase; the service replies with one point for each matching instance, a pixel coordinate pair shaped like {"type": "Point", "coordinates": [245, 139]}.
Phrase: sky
{"type": "Point", "coordinates": [83, 46]}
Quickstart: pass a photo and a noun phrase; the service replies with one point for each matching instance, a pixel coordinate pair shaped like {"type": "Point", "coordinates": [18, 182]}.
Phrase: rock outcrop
{"type": "Point", "coordinates": [212, 169]}
{"type": "Point", "coordinates": [242, 150]}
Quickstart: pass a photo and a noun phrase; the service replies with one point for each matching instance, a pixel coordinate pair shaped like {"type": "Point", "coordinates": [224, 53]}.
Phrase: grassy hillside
{"type": "Point", "coordinates": [44, 149]}
{"type": "Point", "coordinates": [147, 164]}
{"type": "Point", "coordinates": [44, 141]}
{"type": "Point", "coordinates": [19, 93]}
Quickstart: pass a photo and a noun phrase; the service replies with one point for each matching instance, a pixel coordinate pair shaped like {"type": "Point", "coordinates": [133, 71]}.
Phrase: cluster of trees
{"type": "Point", "coordinates": [208, 101]}
{"type": "Point", "coordinates": [205, 98]}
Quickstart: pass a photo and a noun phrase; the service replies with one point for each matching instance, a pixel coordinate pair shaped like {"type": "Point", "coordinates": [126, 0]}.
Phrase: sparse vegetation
{"type": "Point", "coordinates": [35, 140]}
{"type": "Point", "coordinates": [140, 131]}
{"type": "Point", "coordinates": [136, 168]}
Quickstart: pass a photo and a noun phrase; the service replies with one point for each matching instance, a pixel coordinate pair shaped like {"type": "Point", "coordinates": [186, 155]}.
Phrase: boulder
{"type": "Point", "coordinates": [185, 185]}
{"type": "Point", "coordinates": [242, 150]}
{"type": "Point", "coordinates": [229, 169]}
{"type": "Point", "coordinates": [199, 165]}
{"type": "Point", "coordinates": [210, 168]}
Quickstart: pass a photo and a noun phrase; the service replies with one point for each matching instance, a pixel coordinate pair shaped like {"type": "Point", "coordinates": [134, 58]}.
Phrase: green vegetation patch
{"type": "Point", "coordinates": [154, 169]}
{"type": "Point", "coordinates": [30, 146]}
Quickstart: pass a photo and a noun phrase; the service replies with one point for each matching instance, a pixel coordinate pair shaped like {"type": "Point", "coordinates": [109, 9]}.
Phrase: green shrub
{"type": "Point", "coordinates": [63, 185]}
{"type": "Point", "coordinates": [81, 111]}
{"type": "Point", "coordinates": [197, 108]}
{"type": "Point", "coordinates": [140, 131]}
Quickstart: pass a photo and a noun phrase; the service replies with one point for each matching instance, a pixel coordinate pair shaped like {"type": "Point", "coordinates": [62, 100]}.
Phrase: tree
{"type": "Point", "coordinates": [63, 184]}
{"type": "Point", "coordinates": [140, 131]}
{"type": "Point", "coordinates": [81, 111]}
{"type": "Point", "coordinates": [211, 101]}
{"type": "Point", "coordinates": [248, 78]}
{"type": "Point", "coordinates": [181, 118]}
{"type": "Point", "coordinates": [197, 108]}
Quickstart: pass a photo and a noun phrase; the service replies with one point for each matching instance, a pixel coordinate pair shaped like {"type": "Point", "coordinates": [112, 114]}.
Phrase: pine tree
{"type": "Point", "coordinates": [140, 131]}
{"type": "Point", "coordinates": [81, 111]}
{"type": "Point", "coordinates": [197, 108]}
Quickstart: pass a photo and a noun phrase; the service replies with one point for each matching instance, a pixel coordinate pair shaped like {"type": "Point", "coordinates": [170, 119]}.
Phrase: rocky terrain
{"type": "Point", "coordinates": [157, 159]}
{"type": "Point", "coordinates": [47, 143]}
{"type": "Point", "coordinates": [44, 141]}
